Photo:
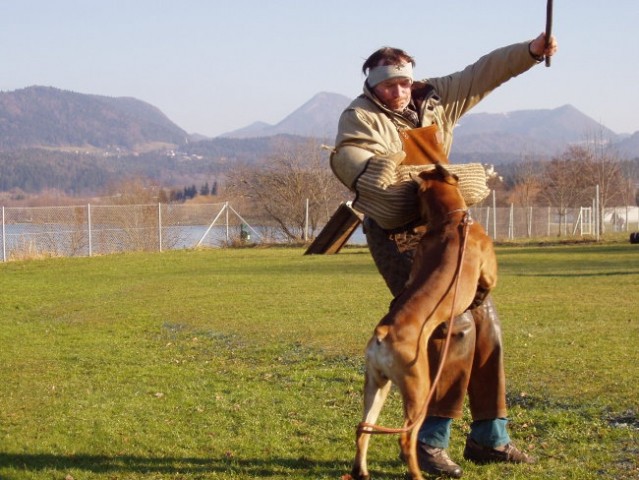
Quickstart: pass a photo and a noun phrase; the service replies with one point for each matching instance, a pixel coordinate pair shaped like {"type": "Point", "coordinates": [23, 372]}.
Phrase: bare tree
{"type": "Point", "coordinates": [563, 185]}
{"type": "Point", "coordinates": [133, 191]}
{"type": "Point", "coordinates": [285, 182]}
{"type": "Point", "coordinates": [630, 187]}
{"type": "Point", "coordinates": [527, 185]}
{"type": "Point", "coordinates": [132, 218]}
{"type": "Point", "coordinates": [600, 166]}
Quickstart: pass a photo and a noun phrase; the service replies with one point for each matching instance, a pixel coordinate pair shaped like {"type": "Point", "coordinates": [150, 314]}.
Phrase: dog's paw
{"type": "Point", "coordinates": [348, 476]}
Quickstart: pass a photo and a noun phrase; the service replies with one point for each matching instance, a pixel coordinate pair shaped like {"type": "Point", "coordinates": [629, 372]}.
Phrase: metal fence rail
{"type": "Point", "coordinates": [33, 232]}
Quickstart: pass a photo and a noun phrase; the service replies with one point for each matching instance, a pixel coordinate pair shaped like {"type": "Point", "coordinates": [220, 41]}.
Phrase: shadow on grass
{"type": "Point", "coordinates": [578, 274]}
{"type": "Point", "coordinates": [100, 464]}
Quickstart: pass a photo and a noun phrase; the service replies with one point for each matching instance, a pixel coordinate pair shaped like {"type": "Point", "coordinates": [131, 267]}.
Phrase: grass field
{"type": "Point", "coordinates": [235, 364]}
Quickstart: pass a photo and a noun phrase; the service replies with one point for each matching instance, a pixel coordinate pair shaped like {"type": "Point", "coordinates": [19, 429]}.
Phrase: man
{"type": "Point", "coordinates": [368, 159]}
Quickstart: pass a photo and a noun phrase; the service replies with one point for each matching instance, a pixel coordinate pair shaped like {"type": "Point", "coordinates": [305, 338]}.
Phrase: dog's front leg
{"type": "Point", "coordinates": [487, 272]}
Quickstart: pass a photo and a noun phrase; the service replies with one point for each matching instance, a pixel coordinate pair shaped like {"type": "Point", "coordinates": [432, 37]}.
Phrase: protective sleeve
{"type": "Point", "coordinates": [387, 193]}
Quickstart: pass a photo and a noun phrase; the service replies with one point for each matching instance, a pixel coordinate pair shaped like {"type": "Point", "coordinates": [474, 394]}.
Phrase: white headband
{"type": "Point", "coordinates": [377, 75]}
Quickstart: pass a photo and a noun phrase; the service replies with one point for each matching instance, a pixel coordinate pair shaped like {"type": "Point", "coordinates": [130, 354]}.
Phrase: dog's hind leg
{"type": "Point", "coordinates": [376, 388]}
{"type": "Point", "coordinates": [414, 394]}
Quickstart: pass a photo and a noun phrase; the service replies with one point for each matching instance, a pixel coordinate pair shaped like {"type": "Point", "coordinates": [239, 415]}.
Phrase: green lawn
{"type": "Point", "coordinates": [247, 363]}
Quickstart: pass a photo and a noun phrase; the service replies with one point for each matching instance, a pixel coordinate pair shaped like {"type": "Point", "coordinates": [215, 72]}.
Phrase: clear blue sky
{"type": "Point", "coordinates": [217, 65]}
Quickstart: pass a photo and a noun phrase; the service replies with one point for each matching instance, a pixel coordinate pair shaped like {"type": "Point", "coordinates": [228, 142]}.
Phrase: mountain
{"type": "Point", "coordinates": [254, 130]}
{"type": "Point", "coordinates": [72, 142]}
{"type": "Point", "coordinates": [564, 123]}
{"type": "Point", "coordinates": [629, 146]}
{"type": "Point", "coordinates": [50, 117]}
{"type": "Point", "coordinates": [316, 118]}
{"type": "Point", "coordinates": [533, 131]}
{"type": "Point", "coordinates": [485, 137]}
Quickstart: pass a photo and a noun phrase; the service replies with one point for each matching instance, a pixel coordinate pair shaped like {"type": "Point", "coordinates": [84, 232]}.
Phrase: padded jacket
{"type": "Point", "coordinates": [368, 148]}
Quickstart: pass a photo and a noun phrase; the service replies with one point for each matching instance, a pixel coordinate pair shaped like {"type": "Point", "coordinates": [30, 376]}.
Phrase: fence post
{"type": "Point", "coordinates": [511, 221]}
{"type": "Point", "coordinates": [306, 223]}
{"type": "Point", "coordinates": [160, 226]}
{"type": "Point", "coordinates": [4, 241]}
{"type": "Point", "coordinates": [227, 224]}
{"type": "Point", "coordinates": [597, 213]}
{"type": "Point", "coordinates": [89, 228]}
{"type": "Point", "coordinates": [494, 216]}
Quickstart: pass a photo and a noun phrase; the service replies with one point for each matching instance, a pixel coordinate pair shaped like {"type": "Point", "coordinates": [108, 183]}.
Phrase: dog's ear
{"type": "Point", "coordinates": [449, 178]}
{"type": "Point", "coordinates": [452, 179]}
{"type": "Point", "coordinates": [422, 179]}
{"type": "Point", "coordinates": [442, 171]}
{"type": "Point", "coordinates": [417, 178]}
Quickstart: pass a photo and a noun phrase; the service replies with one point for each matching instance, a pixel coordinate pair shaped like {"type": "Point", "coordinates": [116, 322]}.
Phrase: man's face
{"type": "Point", "coordinates": [394, 93]}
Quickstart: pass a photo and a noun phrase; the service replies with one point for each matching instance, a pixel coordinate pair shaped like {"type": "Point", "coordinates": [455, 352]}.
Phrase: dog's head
{"type": "Point", "coordinates": [438, 193]}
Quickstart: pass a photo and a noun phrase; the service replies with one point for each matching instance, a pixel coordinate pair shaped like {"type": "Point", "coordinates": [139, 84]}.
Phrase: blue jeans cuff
{"type": "Point", "coordinates": [435, 431]}
{"type": "Point", "coordinates": [490, 433]}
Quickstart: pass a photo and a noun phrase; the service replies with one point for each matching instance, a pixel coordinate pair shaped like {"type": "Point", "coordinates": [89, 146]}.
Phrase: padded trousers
{"type": "Point", "coordinates": [474, 364]}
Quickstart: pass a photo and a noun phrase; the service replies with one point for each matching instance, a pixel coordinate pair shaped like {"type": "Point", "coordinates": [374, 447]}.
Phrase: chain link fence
{"type": "Point", "coordinates": [513, 223]}
{"type": "Point", "coordinates": [35, 232]}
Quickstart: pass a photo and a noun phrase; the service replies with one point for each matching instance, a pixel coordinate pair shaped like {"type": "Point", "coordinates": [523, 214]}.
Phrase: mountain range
{"type": "Point", "coordinates": [316, 118]}
{"type": "Point", "coordinates": [50, 117]}
{"type": "Point", "coordinates": [121, 136]}
{"type": "Point", "coordinates": [506, 135]}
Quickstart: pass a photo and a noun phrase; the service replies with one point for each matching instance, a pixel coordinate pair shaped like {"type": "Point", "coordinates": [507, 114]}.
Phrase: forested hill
{"type": "Point", "coordinates": [81, 143]}
{"type": "Point", "coordinates": [47, 116]}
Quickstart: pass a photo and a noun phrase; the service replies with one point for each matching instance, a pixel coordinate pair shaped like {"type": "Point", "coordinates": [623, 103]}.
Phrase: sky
{"type": "Point", "coordinates": [213, 66]}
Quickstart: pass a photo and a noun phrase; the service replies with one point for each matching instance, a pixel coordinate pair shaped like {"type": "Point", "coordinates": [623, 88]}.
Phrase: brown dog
{"type": "Point", "coordinates": [397, 350]}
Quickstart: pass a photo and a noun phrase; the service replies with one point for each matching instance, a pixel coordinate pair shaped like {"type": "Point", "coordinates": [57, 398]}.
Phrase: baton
{"type": "Point", "coordinates": [548, 27]}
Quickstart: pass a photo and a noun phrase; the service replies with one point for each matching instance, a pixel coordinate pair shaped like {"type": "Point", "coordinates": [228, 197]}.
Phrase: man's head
{"type": "Point", "coordinates": [389, 73]}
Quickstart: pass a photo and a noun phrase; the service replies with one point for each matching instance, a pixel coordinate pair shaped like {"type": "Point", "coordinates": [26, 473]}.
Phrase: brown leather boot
{"type": "Point", "coordinates": [506, 453]}
{"type": "Point", "coordinates": [436, 461]}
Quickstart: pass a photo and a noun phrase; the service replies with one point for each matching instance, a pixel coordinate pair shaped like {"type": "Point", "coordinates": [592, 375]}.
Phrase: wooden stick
{"type": "Point", "coordinates": [548, 27]}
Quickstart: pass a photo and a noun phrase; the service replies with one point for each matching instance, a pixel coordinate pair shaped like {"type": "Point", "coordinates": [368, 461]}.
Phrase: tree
{"type": "Point", "coordinates": [527, 187]}
{"type": "Point", "coordinates": [600, 165]}
{"type": "Point", "coordinates": [630, 174]}
{"type": "Point", "coordinates": [133, 191]}
{"type": "Point", "coordinates": [281, 188]}
{"type": "Point", "coordinates": [190, 192]}
{"type": "Point", "coordinates": [563, 185]}
{"type": "Point", "coordinates": [527, 182]}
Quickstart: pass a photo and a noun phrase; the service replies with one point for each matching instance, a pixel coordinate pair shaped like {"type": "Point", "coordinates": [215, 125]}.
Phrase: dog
{"type": "Point", "coordinates": [396, 353]}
